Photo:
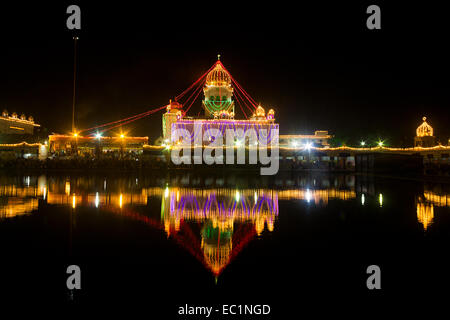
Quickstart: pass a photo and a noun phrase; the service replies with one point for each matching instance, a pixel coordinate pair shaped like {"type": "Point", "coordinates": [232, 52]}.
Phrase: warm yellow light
{"type": "Point", "coordinates": [122, 136]}
{"type": "Point", "coordinates": [425, 214]}
{"type": "Point", "coordinates": [74, 201]}
{"type": "Point", "coordinates": [424, 129]}
{"type": "Point", "coordinates": [75, 134]}
{"type": "Point", "coordinates": [120, 201]}
{"type": "Point", "coordinates": [166, 192]}
{"type": "Point", "coordinates": [67, 188]}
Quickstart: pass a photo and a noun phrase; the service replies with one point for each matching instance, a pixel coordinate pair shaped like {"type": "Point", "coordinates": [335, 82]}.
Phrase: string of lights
{"type": "Point", "coordinates": [131, 120]}
{"type": "Point", "coordinates": [239, 87]}
{"type": "Point", "coordinates": [192, 85]}
{"type": "Point", "coordinates": [137, 116]}
{"type": "Point", "coordinates": [243, 101]}
{"type": "Point", "coordinates": [195, 91]}
{"type": "Point", "coordinates": [198, 92]}
{"type": "Point", "coordinates": [240, 106]}
{"type": "Point", "coordinates": [242, 98]}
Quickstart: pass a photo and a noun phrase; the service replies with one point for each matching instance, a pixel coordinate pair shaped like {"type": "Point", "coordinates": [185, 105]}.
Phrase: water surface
{"type": "Point", "coordinates": [187, 238]}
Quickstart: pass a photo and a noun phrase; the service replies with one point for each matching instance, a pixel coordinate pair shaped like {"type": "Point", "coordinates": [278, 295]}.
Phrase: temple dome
{"type": "Point", "coordinates": [260, 112]}
{"type": "Point", "coordinates": [424, 130]}
{"type": "Point", "coordinates": [218, 76]}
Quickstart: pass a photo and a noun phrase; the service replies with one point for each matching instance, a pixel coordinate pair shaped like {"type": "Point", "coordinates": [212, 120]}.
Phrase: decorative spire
{"type": "Point", "coordinates": [218, 57]}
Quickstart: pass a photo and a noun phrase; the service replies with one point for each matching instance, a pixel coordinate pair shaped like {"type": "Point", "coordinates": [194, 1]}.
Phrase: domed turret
{"type": "Point", "coordinates": [424, 135]}
{"type": "Point", "coordinates": [218, 76]}
{"type": "Point", "coordinates": [424, 130]}
{"type": "Point", "coordinates": [260, 112]}
{"type": "Point", "coordinates": [218, 91]}
{"type": "Point", "coordinates": [174, 106]}
{"type": "Point", "coordinates": [23, 116]}
{"type": "Point", "coordinates": [5, 113]}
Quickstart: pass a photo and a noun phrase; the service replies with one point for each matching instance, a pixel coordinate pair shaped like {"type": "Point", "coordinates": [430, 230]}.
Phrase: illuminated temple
{"type": "Point", "coordinates": [218, 111]}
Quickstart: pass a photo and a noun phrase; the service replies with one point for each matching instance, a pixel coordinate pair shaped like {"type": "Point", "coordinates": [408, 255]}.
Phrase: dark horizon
{"type": "Point", "coordinates": [318, 67]}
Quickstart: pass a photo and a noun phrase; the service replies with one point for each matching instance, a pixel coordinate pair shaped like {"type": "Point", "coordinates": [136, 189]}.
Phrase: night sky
{"type": "Point", "coordinates": [318, 66]}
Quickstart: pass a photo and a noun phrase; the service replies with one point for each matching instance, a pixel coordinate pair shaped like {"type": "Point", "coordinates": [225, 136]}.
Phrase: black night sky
{"type": "Point", "coordinates": [318, 66]}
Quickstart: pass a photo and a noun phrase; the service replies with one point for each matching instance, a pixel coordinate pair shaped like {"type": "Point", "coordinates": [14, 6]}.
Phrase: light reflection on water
{"type": "Point", "coordinates": [227, 218]}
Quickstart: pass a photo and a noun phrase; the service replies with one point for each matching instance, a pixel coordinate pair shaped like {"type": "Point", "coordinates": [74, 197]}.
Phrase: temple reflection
{"type": "Point", "coordinates": [425, 205]}
{"type": "Point", "coordinates": [425, 214]}
{"type": "Point", "coordinates": [228, 219]}
{"type": "Point", "coordinates": [21, 197]}
{"type": "Point", "coordinates": [212, 220]}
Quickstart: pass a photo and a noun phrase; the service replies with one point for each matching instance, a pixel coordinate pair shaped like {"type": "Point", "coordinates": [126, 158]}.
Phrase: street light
{"type": "Point", "coordinates": [308, 146]}
{"type": "Point", "coordinates": [380, 143]}
{"type": "Point", "coordinates": [98, 136]}
{"type": "Point", "coordinates": [363, 143]}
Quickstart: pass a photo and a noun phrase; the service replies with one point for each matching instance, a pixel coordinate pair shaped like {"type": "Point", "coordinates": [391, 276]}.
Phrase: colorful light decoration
{"type": "Point", "coordinates": [260, 112]}
{"type": "Point", "coordinates": [425, 214]}
{"type": "Point", "coordinates": [424, 130]}
{"type": "Point", "coordinates": [218, 92]}
{"type": "Point", "coordinates": [218, 76]}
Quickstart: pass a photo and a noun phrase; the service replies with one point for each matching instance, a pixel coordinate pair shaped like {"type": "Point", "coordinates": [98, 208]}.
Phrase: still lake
{"type": "Point", "coordinates": [165, 240]}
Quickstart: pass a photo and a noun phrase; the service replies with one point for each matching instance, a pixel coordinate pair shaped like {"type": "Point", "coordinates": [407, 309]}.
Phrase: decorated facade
{"type": "Point", "coordinates": [15, 124]}
{"type": "Point", "coordinates": [218, 114]}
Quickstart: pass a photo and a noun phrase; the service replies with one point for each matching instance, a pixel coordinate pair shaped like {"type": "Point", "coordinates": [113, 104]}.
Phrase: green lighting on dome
{"type": "Point", "coordinates": [215, 105]}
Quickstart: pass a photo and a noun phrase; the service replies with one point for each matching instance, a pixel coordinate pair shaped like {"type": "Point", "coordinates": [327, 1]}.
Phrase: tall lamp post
{"type": "Point", "coordinates": [75, 39]}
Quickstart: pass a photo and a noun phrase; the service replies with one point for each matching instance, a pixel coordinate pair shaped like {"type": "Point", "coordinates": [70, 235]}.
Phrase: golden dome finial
{"type": "Point", "coordinates": [218, 76]}
{"type": "Point", "coordinates": [218, 57]}
{"type": "Point", "coordinates": [424, 119]}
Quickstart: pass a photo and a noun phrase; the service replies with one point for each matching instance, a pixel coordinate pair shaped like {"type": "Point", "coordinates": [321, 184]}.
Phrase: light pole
{"type": "Point", "coordinates": [75, 39]}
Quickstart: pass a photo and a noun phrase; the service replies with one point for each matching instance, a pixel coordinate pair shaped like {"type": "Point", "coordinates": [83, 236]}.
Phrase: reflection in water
{"type": "Point", "coordinates": [212, 222]}
{"type": "Point", "coordinates": [436, 199]}
{"type": "Point", "coordinates": [21, 198]}
{"type": "Point", "coordinates": [425, 206]}
{"type": "Point", "coordinates": [228, 218]}
{"type": "Point", "coordinates": [425, 214]}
